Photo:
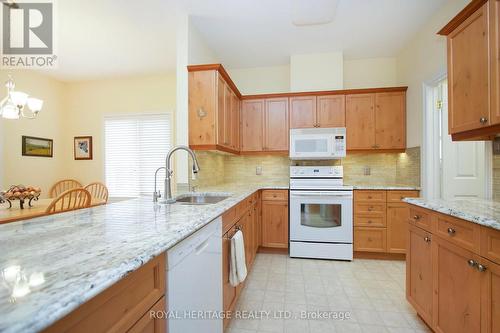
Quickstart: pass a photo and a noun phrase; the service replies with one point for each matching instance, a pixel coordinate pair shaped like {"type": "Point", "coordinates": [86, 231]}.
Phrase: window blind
{"type": "Point", "coordinates": [135, 146]}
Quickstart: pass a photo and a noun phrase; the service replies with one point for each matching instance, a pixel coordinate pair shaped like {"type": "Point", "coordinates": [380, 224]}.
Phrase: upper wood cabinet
{"type": "Point", "coordinates": [252, 117]}
{"type": "Point", "coordinates": [213, 111]}
{"type": "Point", "coordinates": [303, 112]}
{"type": "Point", "coordinates": [276, 135]}
{"type": "Point", "coordinates": [376, 121]}
{"type": "Point", "coordinates": [473, 71]}
{"type": "Point", "coordinates": [320, 111]}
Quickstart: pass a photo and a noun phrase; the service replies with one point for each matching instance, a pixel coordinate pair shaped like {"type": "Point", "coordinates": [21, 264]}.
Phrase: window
{"type": "Point", "coordinates": [135, 146]}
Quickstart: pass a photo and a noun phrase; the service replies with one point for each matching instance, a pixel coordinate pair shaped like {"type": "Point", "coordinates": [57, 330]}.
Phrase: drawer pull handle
{"type": "Point", "coordinates": [427, 239]}
{"type": "Point", "coordinates": [370, 209]}
{"type": "Point", "coordinates": [369, 197]}
{"type": "Point", "coordinates": [483, 120]}
{"type": "Point", "coordinates": [416, 217]}
{"type": "Point", "coordinates": [481, 268]}
{"type": "Point", "coordinates": [472, 263]}
{"type": "Point", "coordinates": [369, 221]}
{"type": "Point", "coordinates": [451, 231]}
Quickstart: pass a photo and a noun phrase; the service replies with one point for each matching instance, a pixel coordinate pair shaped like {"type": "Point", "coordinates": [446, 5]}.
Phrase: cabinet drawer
{"type": "Point", "coordinates": [462, 233]}
{"type": "Point", "coordinates": [150, 324]}
{"type": "Point", "coordinates": [421, 218]}
{"type": "Point", "coordinates": [369, 239]}
{"type": "Point", "coordinates": [275, 195]}
{"type": "Point", "coordinates": [371, 196]}
{"type": "Point", "coordinates": [367, 221]}
{"type": "Point", "coordinates": [119, 307]}
{"type": "Point", "coordinates": [228, 219]}
{"type": "Point", "coordinates": [398, 196]}
{"type": "Point", "coordinates": [370, 209]}
{"type": "Point", "coordinates": [490, 244]}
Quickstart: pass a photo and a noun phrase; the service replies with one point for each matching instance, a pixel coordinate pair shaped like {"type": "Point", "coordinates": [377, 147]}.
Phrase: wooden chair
{"type": "Point", "coordinates": [63, 185]}
{"type": "Point", "coordinates": [99, 193]}
{"type": "Point", "coordinates": [70, 200]}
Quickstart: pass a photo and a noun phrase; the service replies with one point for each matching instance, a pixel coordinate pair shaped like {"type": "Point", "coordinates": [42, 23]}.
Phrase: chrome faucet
{"type": "Point", "coordinates": [168, 178]}
{"type": "Point", "coordinates": [157, 194]}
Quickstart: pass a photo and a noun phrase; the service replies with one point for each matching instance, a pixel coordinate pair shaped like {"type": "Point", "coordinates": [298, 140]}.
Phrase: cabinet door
{"type": "Point", "coordinates": [275, 224]}
{"type": "Point", "coordinates": [276, 134]}
{"type": "Point", "coordinates": [221, 114]}
{"type": "Point", "coordinates": [360, 121]}
{"type": "Point", "coordinates": [368, 239]}
{"type": "Point", "coordinates": [468, 73]}
{"type": "Point", "coordinates": [490, 297]}
{"type": "Point", "coordinates": [228, 291]}
{"type": "Point", "coordinates": [303, 112]}
{"type": "Point", "coordinates": [248, 235]}
{"type": "Point", "coordinates": [252, 113]}
{"type": "Point", "coordinates": [150, 324]}
{"type": "Point", "coordinates": [397, 227]}
{"type": "Point", "coordinates": [228, 117]}
{"type": "Point", "coordinates": [419, 277]}
{"type": "Point", "coordinates": [331, 111]}
{"type": "Point", "coordinates": [235, 121]}
{"type": "Point", "coordinates": [457, 289]}
{"type": "Point", "coordinates": [390, 120]}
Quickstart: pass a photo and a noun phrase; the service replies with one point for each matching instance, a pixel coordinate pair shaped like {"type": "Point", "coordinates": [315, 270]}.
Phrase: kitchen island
{"type": "Point", "coordinates": [75, 256]}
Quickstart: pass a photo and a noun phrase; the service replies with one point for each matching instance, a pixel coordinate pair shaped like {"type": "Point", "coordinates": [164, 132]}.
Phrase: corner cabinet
{"type": "Point", "coordinates": [450, 280]}
{"type": "Point", "coordinates": [474, 71]}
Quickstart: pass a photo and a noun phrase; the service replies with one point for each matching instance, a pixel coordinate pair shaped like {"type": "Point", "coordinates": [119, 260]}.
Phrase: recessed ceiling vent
{"type": "Point", "coordinates": [313, 12]}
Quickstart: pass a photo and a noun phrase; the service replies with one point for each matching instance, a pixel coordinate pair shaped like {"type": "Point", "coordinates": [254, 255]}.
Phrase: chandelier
{"type": "Point", "coordinates": [16, 103]}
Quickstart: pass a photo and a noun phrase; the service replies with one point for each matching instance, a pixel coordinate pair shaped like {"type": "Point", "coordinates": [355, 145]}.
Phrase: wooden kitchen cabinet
{"type": "Point", "coordinates": [330, 111]}
{"type": "Point", "coordinates": [303, 112]}
{"type": "Point", "coordinates": [457, 289]}
{"type": "Point", "coordinates": [252, 118]}
{"type": "Point", "coordinates": [275, 222]}
{"type": "Point", "coordinates": [235, 118]}
{"type": "Point", "coordinates": [419, 275]}
{"type": "Point", "coordinates": [151, 324]}
{"type": "Point", "coordinates": [473, 71]}
{"type": "Point", "coordinates": [390, 120]}
{"type": "Point", "coordinates": [367, 239]}
{"type": "Point", "coordinates": [360, 121]}
{"type": "Point", "coordinates": [490, 297]}
{"type": "Point", "coordinates": [276, 135]}
{"type": "Point", "coordinates": [397, 227]}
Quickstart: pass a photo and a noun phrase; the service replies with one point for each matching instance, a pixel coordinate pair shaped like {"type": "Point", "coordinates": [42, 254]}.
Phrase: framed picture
{"type": "Point", "coordinates": [40, 147]}
{"type": "Point", "coordinates": [83, 147]}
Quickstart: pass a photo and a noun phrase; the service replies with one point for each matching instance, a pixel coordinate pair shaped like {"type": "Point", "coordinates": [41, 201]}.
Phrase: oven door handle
{"type": "Point", "coordinates": [320, 193]}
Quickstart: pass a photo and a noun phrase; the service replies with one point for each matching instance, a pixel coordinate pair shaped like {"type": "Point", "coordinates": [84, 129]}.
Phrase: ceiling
{"type": "Point", "coordinates": [109, 38]}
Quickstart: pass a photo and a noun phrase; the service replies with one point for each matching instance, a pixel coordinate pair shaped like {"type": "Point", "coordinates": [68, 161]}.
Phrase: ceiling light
{"type": "Point", "coordinates": [313, 12]}
{"type": "Point", "coordinates": [13, 106]}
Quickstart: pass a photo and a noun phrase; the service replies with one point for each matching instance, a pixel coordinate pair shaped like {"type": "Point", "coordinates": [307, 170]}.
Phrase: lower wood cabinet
{"type": "Point", "coordinates": [449, 283]}
{"type": "Point", "coordinates": [397, 227]}
{"type": "Point", "coordinates": [275, 221]}
{"type": "Point", "coordinates": [149, 323]}
{"type": "Point", "coordinates": [370, 239]}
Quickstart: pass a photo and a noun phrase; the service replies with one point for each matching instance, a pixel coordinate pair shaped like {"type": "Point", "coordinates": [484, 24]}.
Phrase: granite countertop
{"type": "Point", "coordinates": [69, 258]}
{"type": "Point", "coordinates": [389, 187]}
{"type": "Point", "coordinates": [479, 211]}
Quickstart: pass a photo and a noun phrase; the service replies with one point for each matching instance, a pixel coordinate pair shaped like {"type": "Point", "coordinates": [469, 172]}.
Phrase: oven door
{"type": "Point", "coordinates": [321, 216]}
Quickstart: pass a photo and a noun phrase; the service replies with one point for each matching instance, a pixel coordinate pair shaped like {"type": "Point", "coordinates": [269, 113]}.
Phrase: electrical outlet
{"type": "Point", "coordinates": [367, 171]}
{"type": "Point", "coordinates": [258, 170]}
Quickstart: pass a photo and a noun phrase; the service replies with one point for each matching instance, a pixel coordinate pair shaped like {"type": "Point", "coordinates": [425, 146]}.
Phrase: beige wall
{"type": "Point", "coordinates": [423, 59]}
{"type": "Point", "coordinates": [261, 80]}
{"type": "Point", "coordinates": [88, 102]}
{"type": "Point", "coordinates": [370, 73]}
{"type": "Point", "coordinates": [51, 123]}
{"type": "Point", "coordinates": [317, 71]}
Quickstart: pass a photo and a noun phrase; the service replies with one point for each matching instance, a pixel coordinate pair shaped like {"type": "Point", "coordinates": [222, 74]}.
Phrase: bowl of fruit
{"type": "Point", "coordinates": [21, 193]}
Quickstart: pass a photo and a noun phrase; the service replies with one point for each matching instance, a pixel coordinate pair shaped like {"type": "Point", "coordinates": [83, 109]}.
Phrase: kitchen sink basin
{"type": "Point", "coordinates": [200, 199]}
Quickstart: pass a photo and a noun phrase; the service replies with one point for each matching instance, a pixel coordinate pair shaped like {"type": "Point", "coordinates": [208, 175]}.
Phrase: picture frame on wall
{"type": "Point", "coordinates": [83, 149]}
{"type": "Point", "coordinates": [38, 147]}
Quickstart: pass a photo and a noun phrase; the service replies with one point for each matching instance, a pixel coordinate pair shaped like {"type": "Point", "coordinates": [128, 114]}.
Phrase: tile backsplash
{"type": "Point", "coordinates": [385, 168]}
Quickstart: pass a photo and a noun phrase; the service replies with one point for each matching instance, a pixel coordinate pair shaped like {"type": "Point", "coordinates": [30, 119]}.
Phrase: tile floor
{"type": "Point", "coordinates": [371, 291]}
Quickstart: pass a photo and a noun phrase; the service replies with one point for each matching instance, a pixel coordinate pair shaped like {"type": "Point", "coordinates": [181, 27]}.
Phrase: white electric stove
{"type": "Point", "coordinates": [321, 218]}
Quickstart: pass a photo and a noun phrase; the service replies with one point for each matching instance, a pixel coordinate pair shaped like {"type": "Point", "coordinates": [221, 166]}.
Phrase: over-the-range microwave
{"type": "Point", "coordinates": [317, 143]}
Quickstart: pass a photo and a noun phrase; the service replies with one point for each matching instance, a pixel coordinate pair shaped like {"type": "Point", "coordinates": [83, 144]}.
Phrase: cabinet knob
{"type": "Point", "coordinates": [416, 217]}
{"type": "Point", "coordinates": [483, 120]}
{"type": "Point", "coordinates": [481, 268]}
{"type": "Point", "coordinates": [427, 239]}
{"type": "Point", "coordinates": [451, 231]}
{"type": "Point", "coordinates": [471, 263]}
{"type": "Point", "coordinates": [370, 209]}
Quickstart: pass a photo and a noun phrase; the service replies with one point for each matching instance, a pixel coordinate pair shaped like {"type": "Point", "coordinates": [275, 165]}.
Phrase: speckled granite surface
{"type": "Point", "coordinates": [69, 258]}
{"type": "Point", "coordinates": [483, 212]}
{"type": "Point", "coordinates": [386, 187]}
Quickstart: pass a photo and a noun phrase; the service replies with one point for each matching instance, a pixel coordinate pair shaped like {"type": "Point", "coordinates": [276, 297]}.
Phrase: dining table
{"type": "Point", "coordinates": [39, 207]}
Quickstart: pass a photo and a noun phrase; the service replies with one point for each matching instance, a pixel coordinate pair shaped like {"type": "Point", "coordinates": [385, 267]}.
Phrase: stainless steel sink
{"type": "Point", "coordinates": [200, 199]}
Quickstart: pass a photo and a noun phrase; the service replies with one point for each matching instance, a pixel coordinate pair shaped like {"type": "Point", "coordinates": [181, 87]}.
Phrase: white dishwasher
{"type": "Point", "coordinates": [194, 287]}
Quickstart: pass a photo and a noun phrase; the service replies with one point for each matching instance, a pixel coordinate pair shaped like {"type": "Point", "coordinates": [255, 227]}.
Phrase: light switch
{"type": "Point", "coordinates": [258, 170]}
{"type": "Point", "coordinates": [367, 171]}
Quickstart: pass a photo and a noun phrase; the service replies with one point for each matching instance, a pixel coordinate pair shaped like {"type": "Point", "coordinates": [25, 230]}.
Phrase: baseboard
{"type": "Point", "coordinates": [377, 255]}
{"type": "Point", "coordinates": [272, 250]}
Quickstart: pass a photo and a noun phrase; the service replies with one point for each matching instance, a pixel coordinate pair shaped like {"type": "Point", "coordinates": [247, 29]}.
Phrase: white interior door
{"type": "Point", "coordinates": [462, 163]}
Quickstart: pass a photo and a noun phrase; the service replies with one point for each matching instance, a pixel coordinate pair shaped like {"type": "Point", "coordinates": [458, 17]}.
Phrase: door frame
{"type": "Point", "coordinates": [430, 167]}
